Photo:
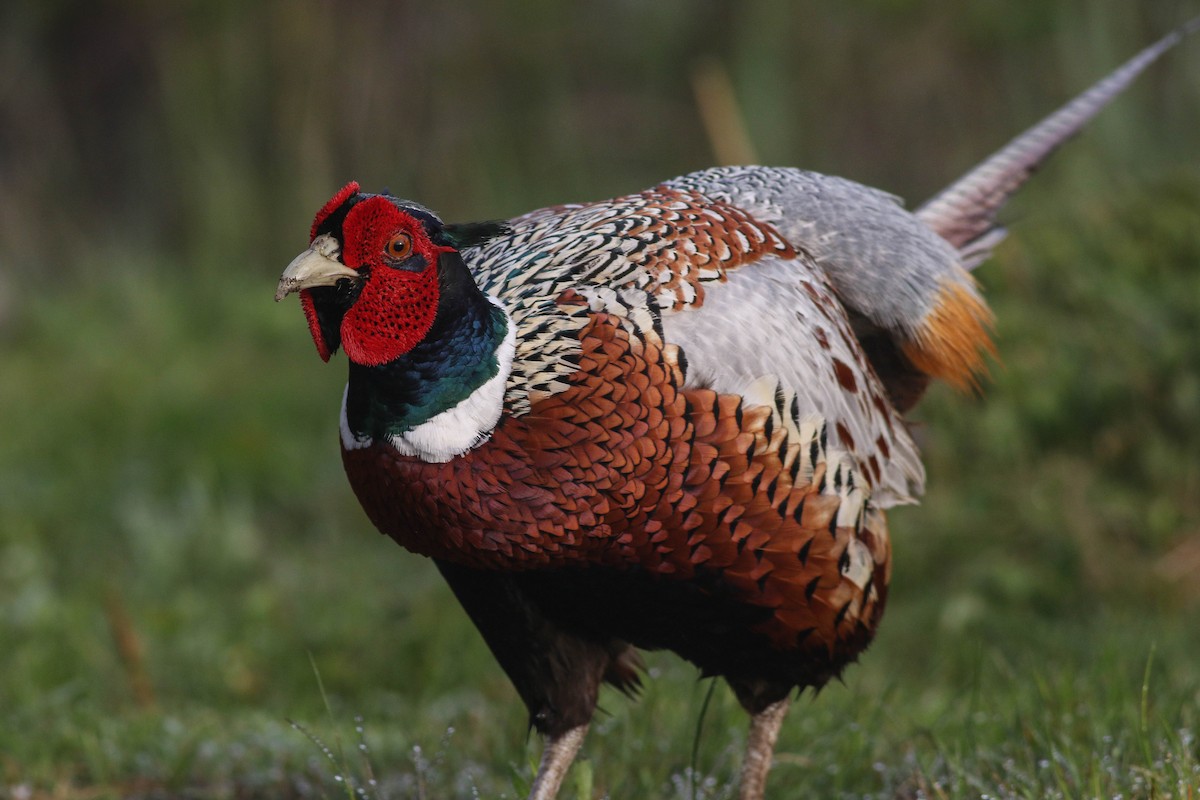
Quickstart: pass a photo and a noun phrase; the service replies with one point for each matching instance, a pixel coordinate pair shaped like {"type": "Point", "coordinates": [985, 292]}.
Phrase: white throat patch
{"type": "Point", "coordinates": [460, 428]}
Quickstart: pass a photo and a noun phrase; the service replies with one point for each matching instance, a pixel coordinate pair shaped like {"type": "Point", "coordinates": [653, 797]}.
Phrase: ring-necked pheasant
{"type": "Point", "coordinates": [669, 420]}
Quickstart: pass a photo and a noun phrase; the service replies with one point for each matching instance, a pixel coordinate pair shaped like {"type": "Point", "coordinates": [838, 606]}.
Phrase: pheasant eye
{"type": "Point", "coordinates": [399, 246]}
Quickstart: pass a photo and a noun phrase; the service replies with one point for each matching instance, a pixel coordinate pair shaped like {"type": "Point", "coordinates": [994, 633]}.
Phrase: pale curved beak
{"type": "Point", "coordinates": [316, 266]}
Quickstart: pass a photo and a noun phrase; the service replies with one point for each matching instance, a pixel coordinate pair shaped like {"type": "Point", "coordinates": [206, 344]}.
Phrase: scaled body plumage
{"type": "Point", "coordinates": [668, 420]}
{"type": "Point", "coordinates": [710, 453]}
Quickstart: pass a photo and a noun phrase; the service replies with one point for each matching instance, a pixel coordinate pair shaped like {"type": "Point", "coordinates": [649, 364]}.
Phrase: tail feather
{"type": "Point", "coordinates": [964, 213]}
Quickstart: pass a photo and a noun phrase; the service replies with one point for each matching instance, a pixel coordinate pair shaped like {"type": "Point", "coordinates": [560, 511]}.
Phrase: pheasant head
{"type": "Point", "coordinates": [370, 281]}
{"type": "Point", "coordinates": [383, 280]}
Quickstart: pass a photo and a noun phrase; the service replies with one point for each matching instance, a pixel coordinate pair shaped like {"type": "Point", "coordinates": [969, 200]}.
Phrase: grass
{"type": "Point", "coordinates": [180, 556]}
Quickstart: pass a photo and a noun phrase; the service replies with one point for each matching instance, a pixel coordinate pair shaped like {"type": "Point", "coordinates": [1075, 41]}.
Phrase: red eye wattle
{"type": "Point", "coordinates": [399, 246]}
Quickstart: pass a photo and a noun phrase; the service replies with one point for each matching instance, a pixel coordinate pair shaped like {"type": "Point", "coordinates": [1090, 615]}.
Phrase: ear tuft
{"type": "Point", "coordinates": [473, 234]}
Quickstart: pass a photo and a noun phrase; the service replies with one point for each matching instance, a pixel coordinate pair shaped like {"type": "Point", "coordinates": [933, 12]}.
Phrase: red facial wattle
{"type": "Point", "coordinates": [334, 203]}
{"type": "Point", "coordinates": [396, 307]}
{"type": "Point", "coordinates": [314, 324]}
{"type": "Point", "coordinates": [306, 298]}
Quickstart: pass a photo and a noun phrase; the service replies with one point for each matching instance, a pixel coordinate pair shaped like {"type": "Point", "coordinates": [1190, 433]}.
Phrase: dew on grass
{"type": "Point", "coordinates": [689, 783]}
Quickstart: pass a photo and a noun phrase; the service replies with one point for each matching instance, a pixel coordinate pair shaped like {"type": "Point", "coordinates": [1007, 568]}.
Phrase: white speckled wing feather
{"type": "Point", "coordinates": [747, 310]}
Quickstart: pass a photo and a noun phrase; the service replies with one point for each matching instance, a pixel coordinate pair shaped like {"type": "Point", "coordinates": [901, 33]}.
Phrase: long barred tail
{"type": "Point", "coordinates": [965, 212]}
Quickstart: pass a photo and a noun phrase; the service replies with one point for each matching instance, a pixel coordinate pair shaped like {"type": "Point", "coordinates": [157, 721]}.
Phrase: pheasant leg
{"type": "Point", "coordinates": [556, 760]}
{"type": "Point", "coordinates": [760, 747]}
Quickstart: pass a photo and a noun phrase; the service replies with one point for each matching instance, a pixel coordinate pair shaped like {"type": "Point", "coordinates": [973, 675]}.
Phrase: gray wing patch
{"type": "Point", "coordinates": [881, 260]}
{"type": "Point", "coordinates": [774, 329]}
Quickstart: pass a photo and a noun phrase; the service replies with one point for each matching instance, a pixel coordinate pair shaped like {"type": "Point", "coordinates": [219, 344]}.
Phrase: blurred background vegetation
{"type": "Point", "coordinates": [177, 539]}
